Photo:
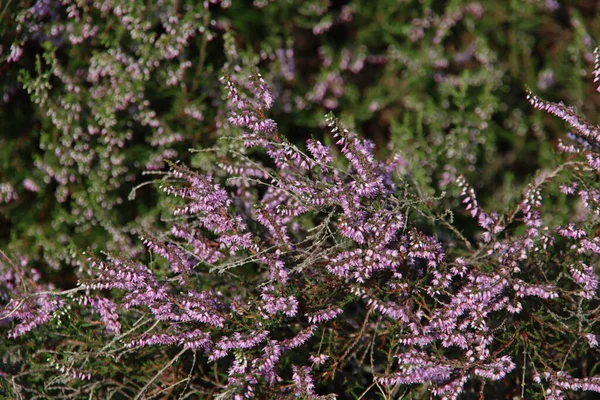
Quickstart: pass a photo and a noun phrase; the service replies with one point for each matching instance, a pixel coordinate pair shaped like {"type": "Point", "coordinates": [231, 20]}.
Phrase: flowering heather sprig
{"type": "Point", "coordinates": [324, 315]}
{"type": "Point", "coordinates": [202, 307]}
{"type": "Point", "coordinates": [240, 382]}
{"type": "Point", "coordinates": [560, 381]}
{"type": "Point", "coordinates": [7, 193]}
{"type": "Point", "coordinates": [178, 261]}
{"type": "Point", "coordinates": [426, 248]}
{"type": "Point", "coordinates": [30, 312]}
{"type": "Point", "coordinates": [320, 152]}
{"type": "Point", "coordinates": [25, 300]}
{"type": "Point", "coordinates": [496, 370]}
{"type": "Point", "coordinates": [361, 264]}
{"type": "Point", "coordinates": [570, 231]}
{"type": "Point", "coordinates": [389, 309]}
{"type": "Point", "coordinates": [151, 340]}
{"type": "Point", "coordinates": [584, 130]}
{"type": "Point", "coordinates": [249, 115]}
{"type": "Point", "coordinates": [523, 289]}
{"type": "Point", "coordinates": [303, 381]}
{"type": "Point", "coordinates": [274, 302]}
{"type": "Point", "coordinates": [319, 359]}
{"type": "Point", "coordinates": [596, 72]}
{"type": "Point", "coordinates": [300, 339]}
{"type": "Point", "coordinates": [416, 367]}
{"type": "Point", "coordinates": [202, 248]}
{"type": "Point", "coordinates": [106, 309]}
{"type": "Point", "coordinates": [266, 365]}
{"type": "Point", "coordinates": [238, 341]}
{"type": "Point", "coordinates": [119, 274]}
{"type": "Point", "coordinates": [31, 185]}
{"type": "Point", "coordinates": [470, 200]}
{"type": "Point", "coordinates": [585, 277]}
{"type": "Point", "coordinates": [360, 153]}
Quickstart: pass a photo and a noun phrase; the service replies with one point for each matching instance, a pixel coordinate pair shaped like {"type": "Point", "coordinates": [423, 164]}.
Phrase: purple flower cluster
{"type": "Point", "coordinates": [106, 309]}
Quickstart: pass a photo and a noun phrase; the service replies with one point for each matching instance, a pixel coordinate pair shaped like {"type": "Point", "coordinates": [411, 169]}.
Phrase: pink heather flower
{"type": "Point", "coordinates": [273, 222]}
{"type": "Point", "coordinates": [33, 312]}
{"type": "Point", "coordinates": [202, 307]}
{"type": "Point", "coordinates": [319, 359]}
{"type": "Point", "coordinates": [195, 339]}
{"type": "Point", "coordinates": [30, 185]}
{"type": "Point", "coordinates": [581, 128]}
{"type": "Point", "coordinates": [567, 148]}
{"type": "Point", "coordinates": [274, 302]}
{"type": "Point", "coordinates": [470, 200]}
{"type": "Point", "coordinates": [390, 309]}
{"type": "Point", "coordinates": [569, 189]}
{"type": "Point", "coordinates": [450, 390]}
{"type": "Point", "coordinates": [571, 232]}
{"type": "Point", "coordinates": [585, 276]}
{"type": "Point", "coordinates": [300, 338]}
{"type": "Point", "coordinates": [106, 309]}
{"type": "Point", "coordinates": [417, 373]}
{"type": "Point", "coordinates": [496, 370]}
{"type": "Point", "coordinates": [262, 92]}
{"type": "Point", "coordinates": [593, 162]}
{"type": "Point", "coordinates": [16, 51]}
{"type": "Point", "coordinates": [561, 380]}
{"type": "Point", "coordinates": [425, 247]}
{"type": "Point", "coordinates": [523, 289]}
{"type": "Point", "coordinates": [324, 315]}
{"type": "Point", "coordinates": [7, 193]}
{"type": "Point", "coordinates": [179, 261]}
{"type": "Point", "coordinates": [592, 340]}
{"type": "Point", "coordinates": [303, 382]}
{"type": "Point", "coordinates": [596, 72]}
{"type": "Point", "coordinates": [151, 340]}
{"type": "Point", "coordinates": [319, 151]}
{"type": "Point", "coordinates": [265, 365]}
{"type": "Point", "coordinates": [277, 270]}
{"type": "Point", "coordinates": [360, 153]}
{"type": "Point", "coordinates": [237, 341]}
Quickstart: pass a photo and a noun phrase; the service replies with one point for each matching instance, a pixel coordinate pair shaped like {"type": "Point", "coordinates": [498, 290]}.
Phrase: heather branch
{"type": "Point", "coordinates": [158, 374]}
{"type": "Point", "coordinates": [39, 294]}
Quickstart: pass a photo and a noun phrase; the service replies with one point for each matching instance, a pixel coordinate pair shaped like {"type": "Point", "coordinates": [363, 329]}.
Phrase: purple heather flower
{"type": "Point", "coordinates": [324, 315]}
{"type": "Point", "coordinates": [319, 151]}
{"type": "Point", "coordinates": [274, 302]}
{"type": "Point", "coordinates": [265, 365]}
{"type": "Point", "coordinates": [32, 312]}
{"type": "Point", "coordinates": [151, 340]}
{"type": "Point", "coordinates": [584, 275]}
{"type": "Point", "coordinates": [495, 370]}
{"type": "Point", "coordinates": [303, 382]}
{"type": "Point", "coordinates": [30, 185]}
{"type": "Point", "coordinates": [300, 338]}
{"type": "Point", "coordinates": [571, 232]}
{"type": "Point", "coordinates": [106, 309]}
{"type": "Point", "coordinates": [582, 129]}
{"type": "Point", "coordinates": [319, 359]}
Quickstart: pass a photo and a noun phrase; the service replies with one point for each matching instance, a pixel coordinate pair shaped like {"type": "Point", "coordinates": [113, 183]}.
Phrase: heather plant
{"type": "Point", "coordinates": [282, 267]}
{"type": "Point", "coordinates": [300, 273]}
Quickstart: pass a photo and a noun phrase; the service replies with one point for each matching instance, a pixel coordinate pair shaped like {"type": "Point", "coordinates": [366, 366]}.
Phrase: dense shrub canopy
{"type": "Point", "coordinates": [299, 199]}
